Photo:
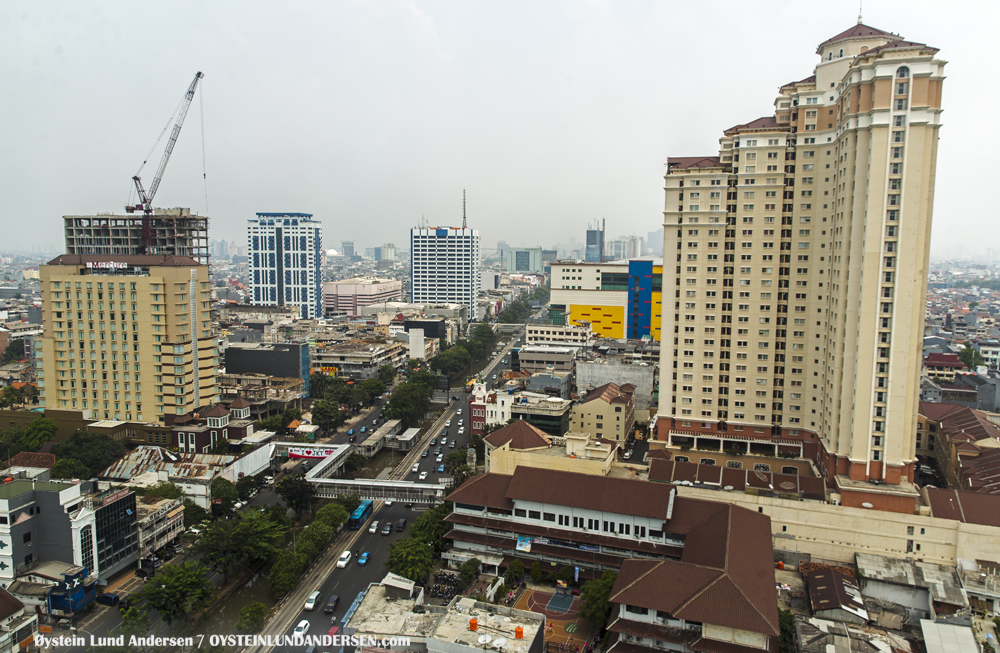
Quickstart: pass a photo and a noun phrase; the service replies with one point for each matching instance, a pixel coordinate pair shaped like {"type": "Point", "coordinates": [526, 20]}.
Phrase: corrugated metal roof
{"type": "Point", "coordinates": [154, 459]}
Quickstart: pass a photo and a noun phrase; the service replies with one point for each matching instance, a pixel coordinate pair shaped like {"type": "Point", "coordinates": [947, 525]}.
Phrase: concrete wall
{"type": "Point", "coordinates": [597, 373]}
{"type": "Point", "coordinates": [53, 534]}
{"type": "Point", "coordinates": [838, 532]}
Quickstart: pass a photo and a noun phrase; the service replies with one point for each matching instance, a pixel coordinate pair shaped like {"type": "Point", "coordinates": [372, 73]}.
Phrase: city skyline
{"type": "Point", "coordinates": [575, 89]}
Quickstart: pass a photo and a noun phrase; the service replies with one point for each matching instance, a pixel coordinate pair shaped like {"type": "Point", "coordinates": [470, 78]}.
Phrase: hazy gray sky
{"type": "Point", "coordinates": [369, 114]}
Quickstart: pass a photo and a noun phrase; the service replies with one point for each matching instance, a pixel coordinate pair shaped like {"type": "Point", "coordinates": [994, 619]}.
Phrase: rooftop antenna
{"type": "Point", "coordinates": [463, 209]}
{"type": "Point", "coordinates": [861, 4]}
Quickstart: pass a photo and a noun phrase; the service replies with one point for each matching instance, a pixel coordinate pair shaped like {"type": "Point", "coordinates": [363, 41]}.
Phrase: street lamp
{"type": "Point", "coordinates": [75, 629]}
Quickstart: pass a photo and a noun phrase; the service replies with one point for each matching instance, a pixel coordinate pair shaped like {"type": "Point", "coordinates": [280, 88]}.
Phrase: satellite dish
{"type": "Point", "coordinates": [500, 642]}
{"type": "Point", "coordinates": [867, 505]}
{"type": "Point", "coordinates": [729, 488]}
{"type": "Point", "coordinates": [485, 639]}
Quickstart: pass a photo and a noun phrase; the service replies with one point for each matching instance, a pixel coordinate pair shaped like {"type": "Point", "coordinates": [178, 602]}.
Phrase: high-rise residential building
{"type": "Point", "coordinates": [625, 247]}
{"type": "Point", "coordinates": [285, 251]}
{"type": "Point", "coordinates": [801, 270]}
{"type": "Point", "coordinates": [347, 248]}
{"type": "Point", "coordinates": [351, 295]}
{"type": "Point", "coordinates": [595, 244]}
{"type": "Point", "coordinates": [173, 231]}
{"type": "Point", "coordinates": [126, 337]}
{"type": "Point", "coordinates": [446, 267]}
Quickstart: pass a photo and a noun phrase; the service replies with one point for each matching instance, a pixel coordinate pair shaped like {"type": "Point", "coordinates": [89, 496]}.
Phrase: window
{"type": "Point", "coordinates": [902, 72]}
{"type": "Point", "coordinates": [900, 105]}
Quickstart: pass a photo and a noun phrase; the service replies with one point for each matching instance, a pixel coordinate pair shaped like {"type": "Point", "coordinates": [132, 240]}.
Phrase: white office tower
{"type": "Point", "coordinates": [284, 252]}
{"type": "Point", "coordinates": [446, 266]}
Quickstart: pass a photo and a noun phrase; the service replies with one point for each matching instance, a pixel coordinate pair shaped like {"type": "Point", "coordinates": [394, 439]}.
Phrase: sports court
{"type": "Point", "coordinates": [564, 628]}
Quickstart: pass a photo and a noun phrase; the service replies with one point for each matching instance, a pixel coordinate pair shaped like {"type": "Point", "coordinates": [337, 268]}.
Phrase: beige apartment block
{"type": "Point", "coordinates": [126, 337]}
{"type": "Point", "coordinates": [801, 266]}
{"type": "Point", "coordinates": [607, 412]}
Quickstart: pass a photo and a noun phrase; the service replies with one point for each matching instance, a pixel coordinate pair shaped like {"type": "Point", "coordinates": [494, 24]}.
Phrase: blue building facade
{"type": "Point", "coordinates": [284, 253]}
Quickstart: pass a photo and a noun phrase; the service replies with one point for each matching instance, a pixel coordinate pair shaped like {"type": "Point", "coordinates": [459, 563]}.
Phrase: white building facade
{"type": "Point", "coordinates": [285, 250]}
{"type": "Point", "coordinates": [446, 266]}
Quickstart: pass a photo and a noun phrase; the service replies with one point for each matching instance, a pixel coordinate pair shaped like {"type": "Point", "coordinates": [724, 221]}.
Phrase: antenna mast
{"type": "Point", "coordinates": [463, 209]}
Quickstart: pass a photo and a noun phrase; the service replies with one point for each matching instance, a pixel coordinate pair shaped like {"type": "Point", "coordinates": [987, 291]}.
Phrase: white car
{"type": "Point", "coordinates": [448, 423]}
{"type": "Point", "coordinates": [302, 628]}
{"type": "Point", "coordinates": [415, 469]}
{"type": "Point", "coordinates": [423, 476]}
{"type": "Point", "coordinates": [373, 528]}
{"type": "Point", "coordinates": [458, 412]}
{"type": "Point", "coordinates": [460, 422]}
{"type": "Point", "coordinates": [345, 558]}
{"type": "Point", "coordinates": [440, 458]}
{"type": "Point", "coordinates": [461, 430]}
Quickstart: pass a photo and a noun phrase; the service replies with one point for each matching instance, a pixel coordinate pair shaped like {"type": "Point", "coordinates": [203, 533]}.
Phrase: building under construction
{"type": "Point", "coordinates": [173, 231]}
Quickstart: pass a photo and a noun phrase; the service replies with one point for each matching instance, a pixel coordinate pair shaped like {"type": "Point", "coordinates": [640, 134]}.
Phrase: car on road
{"type": "Point", "coordinates": [628, 455]}
{"type": "Point", "coordinates": [494, 377]}
{"type": "Point", "coordinates": [364, 429]}
{"type": "Point", "coordinates": [437, 452]}
{"type": "Point", "coordinates": [440, 469]}
{"type": "Point", "coordinates": [415, 469]}
{"type": "Point", "coordinates": [345, 558]}
{"type": "Point", "coordinates": [374, 527]}
{"type": "Point", "coordinates": [353, 438]}
{"type": "Point", "coordinates": [461, 430]}
{"type": "Point", "coordinates": [439, 459]}
{"type": "Point", "coordinates": [434, 441]}
{"type": "Point", "coordinates": [312, 601]}
{"type": "Point", "coordinates": [423, 476]}
{"type": "Point", "coordinates": [448, 423]}
{"type": "Point", "coordinates": [459, 412]}
{"type": "Point", "coordinates": [387, 529]}
{"type": "Point", "coordinates": [423, 454]}
{"type": "Point", "coordinates": [302, 628]}
{"type": "Point", "coordinates": [363, 560]}
{"type": "Point", "coordinates": [350, 431]}
{"type": "Point", "coordinates": [331, 604]}
{"type": "Point", "coordinates": [108, 598]}
{"type": "Point", "coordinates": [451, 445]}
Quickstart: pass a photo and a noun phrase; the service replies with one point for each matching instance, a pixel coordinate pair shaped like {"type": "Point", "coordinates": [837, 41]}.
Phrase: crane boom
{"type": "Point", "coordinates": [146, 198]}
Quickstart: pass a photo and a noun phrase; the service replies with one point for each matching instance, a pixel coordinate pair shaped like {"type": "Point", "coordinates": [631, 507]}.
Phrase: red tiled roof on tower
{"type": "Point", "coordinates": [857, 31]}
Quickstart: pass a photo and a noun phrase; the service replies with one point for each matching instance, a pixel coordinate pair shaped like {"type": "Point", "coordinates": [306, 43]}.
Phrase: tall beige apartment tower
{"type": "Point", "coordinates": [126, 337]}
{"type": "Point", "coordinates": [801, 272]}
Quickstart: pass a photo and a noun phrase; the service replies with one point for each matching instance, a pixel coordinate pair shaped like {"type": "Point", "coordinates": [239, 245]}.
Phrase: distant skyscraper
{"type": "Point", "coordinates": [285, 252]}
{"type": "Point", "coordinates": [347, 248]}
{"type": "Point", "coordinates": [446, 267]}
{"type": "Point", "coordinates": [595, 244]}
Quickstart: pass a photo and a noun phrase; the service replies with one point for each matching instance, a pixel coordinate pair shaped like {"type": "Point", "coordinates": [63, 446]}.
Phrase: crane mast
{"type": "Point", "coordinates": [146, 198]}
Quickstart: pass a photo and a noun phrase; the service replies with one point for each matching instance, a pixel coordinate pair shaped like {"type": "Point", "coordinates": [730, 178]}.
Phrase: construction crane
{"type": "Point", "coordinates": [146, 199]}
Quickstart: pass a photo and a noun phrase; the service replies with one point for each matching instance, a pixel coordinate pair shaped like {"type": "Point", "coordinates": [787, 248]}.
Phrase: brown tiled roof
{"type": "Point", "coordinates": [981, 473]}
{"type": "Point", "coordinates": [601, 493]}
{"type": "Point", "coordinates": [485, 490]}
{"type": "Point", "coordinates": [239, 403]}
{"type": "Point", "coordinates": [725, 576]}
{"type": "Point", "coordinates": [609, 393]}
{"type": "Point", "coordinates": [683, 162]}
{"type": "Point", "coordinates": [965, 506]}
{"type": "Point", "coordinates": [9, 606]}
{"type": "Point", "coordinates": [811, 79]}
{"type": "Point", "coordinates": [218, 410]}
{"type": "Point", "coordinates": [900, 45]}
{"type": "Point", "coordinates": [32, 459]}
{"type": "Point", "coordinates": [828, 590]}
{"type": "Point", "coordinates": [856, 31]}
{"type": "Point", "coordinates": [147, 260]}
{"type": "Point", "coordinates": [521, 435]}
{"type": "Point", "coordinates": [950, 360]}
{"type": "Point", "coordinates": [767, 122]}
{"type": "Point", "coordinates": [704, 645]}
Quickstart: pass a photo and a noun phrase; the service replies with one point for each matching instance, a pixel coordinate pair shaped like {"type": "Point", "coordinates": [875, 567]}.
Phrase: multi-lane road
{"type": "Point", "coordinates": [349, 581]}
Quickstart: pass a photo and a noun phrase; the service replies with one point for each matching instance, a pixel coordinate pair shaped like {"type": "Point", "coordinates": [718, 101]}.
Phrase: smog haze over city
{"type": "Point", "coordinates": [374, 115]}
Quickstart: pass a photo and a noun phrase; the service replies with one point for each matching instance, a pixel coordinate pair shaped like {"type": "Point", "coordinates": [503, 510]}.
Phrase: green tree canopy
{"type": "Point", "coordinates": [224, 491]}
{"type": "Point", "coordinates": [228, 544]}
{"type": "Point", "coordinates": [95, 450]}
{"type": "Point", "coordinates": [595, 604]}
{"type": "Point", "coordinates": [38, 432]}
{"type": "Point", "coordinates": [163, 489]}
{"type": "Point", "coordinates": [70, 468]}
{"type": "Point", "coordinates": [410, 558]}
{"type": "Point", "coordinates": [297, 492]}
{"type": "Point", "coordinates": [387, 374]}
{"type": "Point", "coordinates": [252, 618]}
{"type": "Point", "coordinates": [431, 528]}
{"type": "Point", "coordinates": [193, 513]}
{"type": "Point", "coordinates": [177, 590]}
{"type": "Point", "coordinates": [333, 515]}
{"type": "Point", "coordinates": [971, 357]}
{"type": "Point", "coordinates": [326, 414]}
{"type": "Point", "coordinates": [14, 352]}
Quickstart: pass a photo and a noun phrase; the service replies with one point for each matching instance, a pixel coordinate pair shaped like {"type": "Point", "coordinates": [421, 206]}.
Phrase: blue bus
{"type": "Point", "coordinates": [360, 515]}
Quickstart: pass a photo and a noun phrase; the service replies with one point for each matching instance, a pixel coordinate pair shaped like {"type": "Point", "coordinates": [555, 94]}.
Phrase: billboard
{"type": "Point", "coordinates": [309, 452]}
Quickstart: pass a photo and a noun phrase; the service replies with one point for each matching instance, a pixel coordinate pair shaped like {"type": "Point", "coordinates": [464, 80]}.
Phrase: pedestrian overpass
{"type": "Point", "coordinates": [374, 489]}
